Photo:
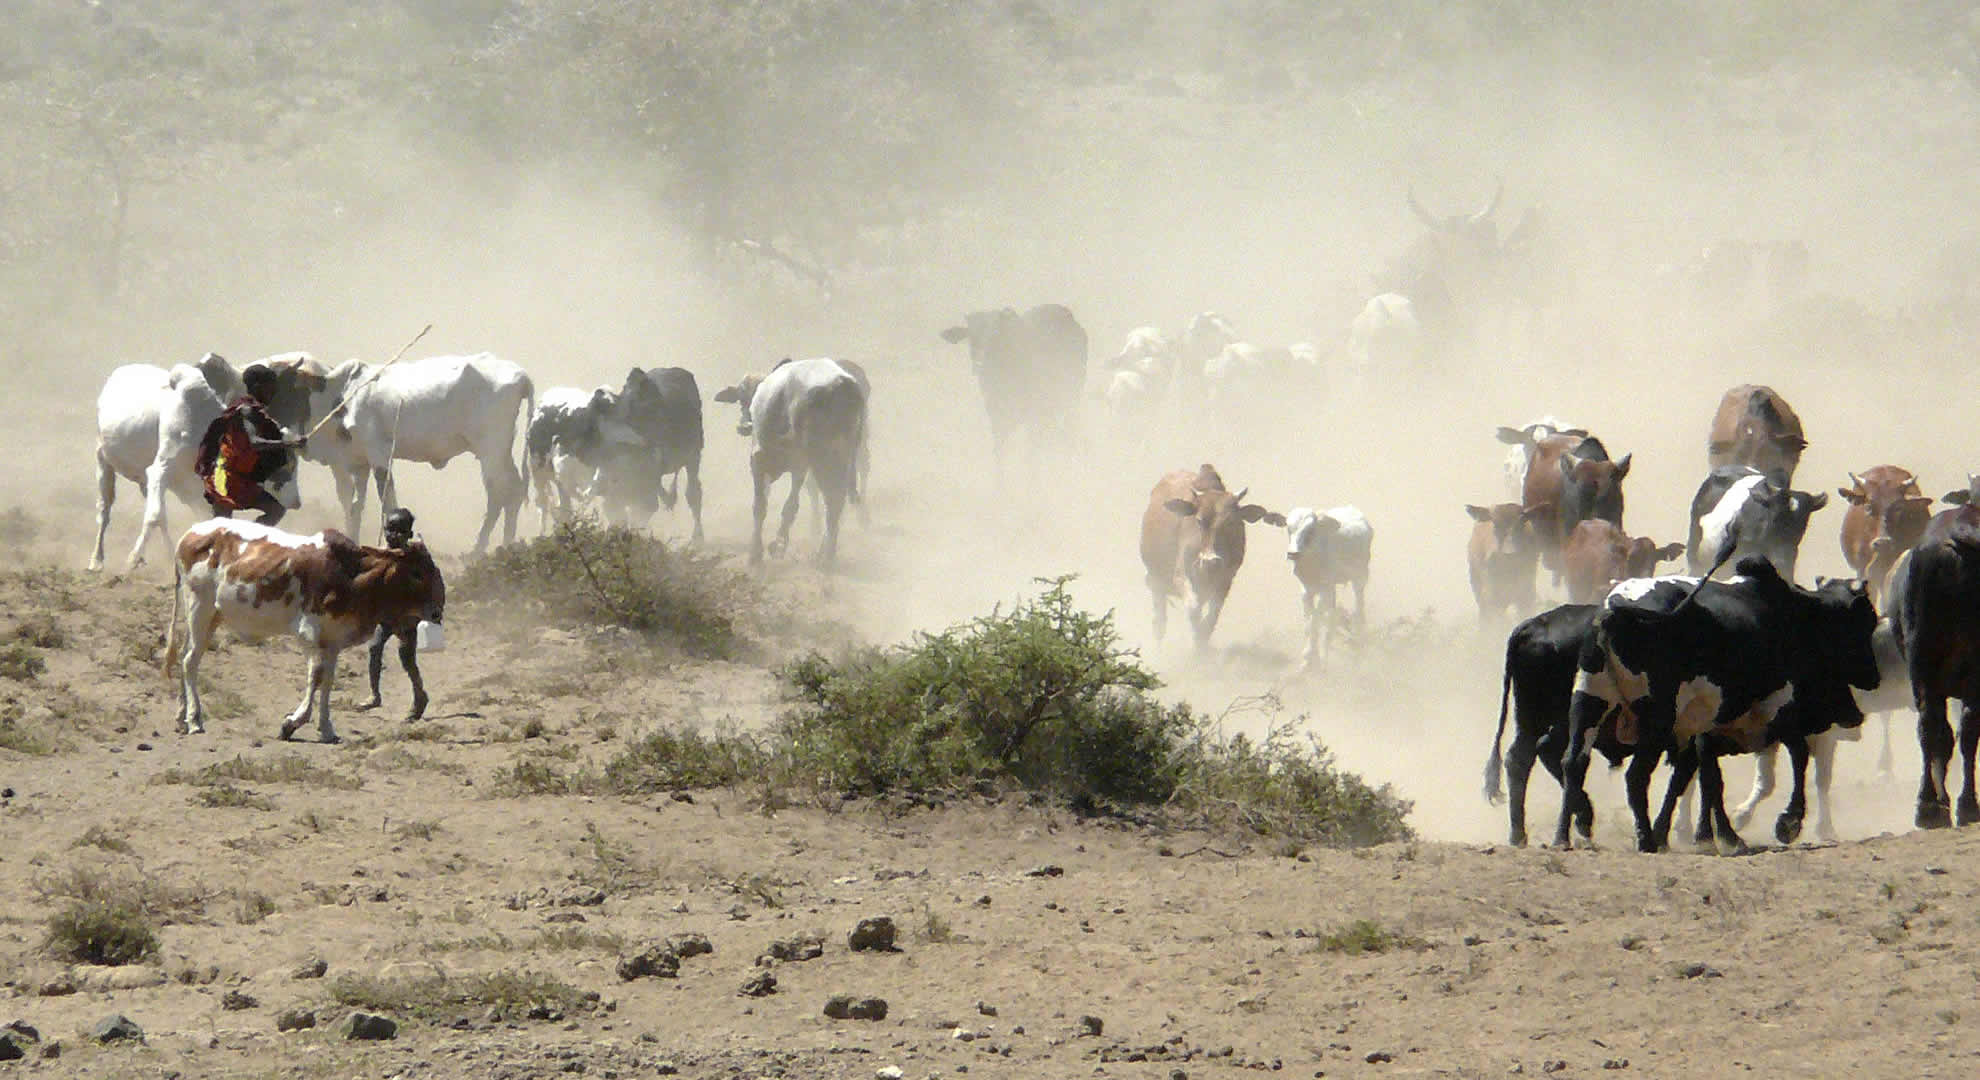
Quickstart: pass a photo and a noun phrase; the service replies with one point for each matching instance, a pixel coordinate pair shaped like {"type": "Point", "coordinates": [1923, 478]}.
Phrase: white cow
{"type": "Point", "coordinates": [1385, 336]}
{"type": "Point", "coordinates": [1139, 374]}
{"type": "Point", "coordinates": [1328, 549]}
{"type": "Point", "coordinates": [264, 583]}
{"type": "Point", "coordinates": [805, 418]}
{"type": "Point", "coordinates": [149, 423]}
{"type": "Point", "coordinates": [432, 411]}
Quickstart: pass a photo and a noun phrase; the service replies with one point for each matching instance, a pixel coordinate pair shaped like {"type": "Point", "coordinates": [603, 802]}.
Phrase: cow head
{"type": "Point", "coordinates": [282, 483]}
{"type": "Point", "coordinates": [1213, 536]}
{"type": "Point", "coordinates": [742, 393]}
{"type": "Point", "coordinates": [1307, 531]}
{"type": "Point", "coordinates": [1845, 633]}
{"type": "Point", "coordinates": [1512, 526]}
{"type": "Point", "coordinates": [221, 376]}
{"type": "Point", "coordinates": [1530, 436]}
{"type": "Point", "coordinates": [1591, 485]}
{"type": "Point", "coordinates": [990, 334]}
{"type": "Point", "coordinates": [290, 379]}
{"type": "Point", "coordinates": [1644, 555]}
{"type": "Point", "coordinates": [1969, 497]}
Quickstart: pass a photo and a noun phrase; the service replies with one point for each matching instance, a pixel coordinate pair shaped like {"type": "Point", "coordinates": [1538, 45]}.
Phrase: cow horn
{"type": "Point", "coordinates": [1498, 189]}
{"type": "Point", "coordinates": [1854, 482]}
{"type": "Point", "coordinates": [1239, 497]}
{"type": "Point", "coordinates": [1422, 214]}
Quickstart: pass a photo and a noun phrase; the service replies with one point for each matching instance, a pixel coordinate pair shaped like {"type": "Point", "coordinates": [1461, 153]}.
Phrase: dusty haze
{"type": "Point", "coordinates": [1139, 185]}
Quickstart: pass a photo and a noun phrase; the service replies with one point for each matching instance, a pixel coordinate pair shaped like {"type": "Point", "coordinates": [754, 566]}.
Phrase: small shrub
{"type": "Point", "coordinates": [97, 836]}
{"type": "Point", "coordinates": [579, 939]}
{"type": "Point", "coordinates": [1277, 786]}
{"type": "Point", "coordinates": [229, 797]}
{"type": "Point", "coordinates": [591, 575]}
{"type": "Point", "coordinates": [1363, 936]}
{"type": "Point", "coordinates": [531, 776]}
{"type": "Point", "coordinates": [41, 631]}
{"type": "Point", "coordinates": [416, 830]}
{"type": "Point", "coordinates": [514, 993]}
{"type": "Point", "coordinates": [935, 929]}
{"type": "Point", "coordinates": [101, 932]}
{"type": "Point", "coordinates": [396, 758]}
{"type": "Point", "coordinates": [251, 906]}
{"type": "Point", "coordinates": [677, 757]}
{"type": "Point", "coordinates": [152, 895]}
{"type": "Point", "coordinates": [21, 661]}
{"type": "Point", "coordinates": [23, 739]}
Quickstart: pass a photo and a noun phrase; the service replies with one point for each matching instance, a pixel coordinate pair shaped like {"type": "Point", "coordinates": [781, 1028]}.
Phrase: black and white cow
{"type": "Point", "coordinates": [661, 409]}
{"type": "Point", "coordinates": [563, 446]}
{"type": "Point", "coordinates": [1754, 512]}
{"type": "Point", "coordinates": [805, 418]}
{"type": "Point", "coordinates": [1541, 657]}
{"type": "Point", "coordinates": [1710, 667]}
{"type": "Point", "coordinates": [1328, 549]}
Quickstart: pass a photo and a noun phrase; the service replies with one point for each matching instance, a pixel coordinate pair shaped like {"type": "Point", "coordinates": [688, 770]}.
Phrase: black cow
{"type": "Point", "coordinates": [1754, 511]}
{"type": "Point", "coordinates": [1541, 657]}
{"type": "Point", "coordinates": [1717, 665]}
{"type": "Point", "coordinates": [1938, 628]}
{"type": "Point", "coordinates": [563, 446]}
{"type": "Point", "coordinates": [661, 408]}
{"type": "Point", "coordinates": [1031, 368]}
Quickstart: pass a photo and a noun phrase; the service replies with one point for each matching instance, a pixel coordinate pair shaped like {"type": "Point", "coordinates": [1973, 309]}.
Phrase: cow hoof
{"type": "Point", "coordinates": [1787, 829]}
{"type": "Point", "coordinates": [330, 740]}
{"type": "Point", "coordinates": [1646, 843]}
{"type": "Point", "coordinates": [289, 731]}
{"type": "Point", "coordinates": [1969, 812]}
{"type": "Point", "coordinates": [1933, 816]}
{"type": "Point", "coordinates": [368, 706]}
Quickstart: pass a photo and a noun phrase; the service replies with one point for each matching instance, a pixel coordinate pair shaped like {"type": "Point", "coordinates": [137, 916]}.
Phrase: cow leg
{"type": "Point", "coordinates": [154, 515]}
{"type": "Point", "coordinates": [1519, 767]}
{"type": "Point", "coordinates": [694, 498]}
{"type": "Point", "coordinates": [300, 715]}
{"type": "Point", "coordinates": [1549, 754]}
{"type": "Point", "coordinates": [1935, 745]}
{"type": "Point", "coordinates": [1332, 619]}
{"type": "Point", "coordinates": [497, 493]}
{"type": "Point", "coordinates": [1684, 766]}
{"type": "Point", "coordinates": [1824, 746]}
{"type": "Point", "coordinates": [201, 620]}
{"type": "Point", "coordinates": [835, 508]}
{"type": "Point", "coordinates": [1584, 717]}
{"type": "Point", "coordinates": [783, 541]}
{"type": "Point", "coordinates": [1968, 810]}
{"type": "Point", "coordinates": [1787, 827]}
{"type": "Point", "coordinates": [321, 685]}
{"type": "Point", "coordinates": [1636, 782]}
{"type": "Point", "coordinates": [759, 505]}
{"type": "Point", "coordinates": [1712, 803]}
{"type": "Point", "coordinates": [409, 659]}
{"type": "Point", "coordinates": [1763, 785]}
{"type": "Point", "coordinates": [1158, 591]}
{"type": "Point", "coordinates": [544, 491]}
{"type": "Point", "coordinates": [1203, 619]}
{"type": "Point", "coordinates": [349, 483]}
{"type": "Point", "coordinates": [375, 666]}
{"type": "Point", "coordinates": [106, 496]}
{"type": "Point", "coordinates": [1884, 752]}
{"type": "Point", "coordinates": [1309, 604]}
{"type": "Point", "coordinates": [1360, 603]}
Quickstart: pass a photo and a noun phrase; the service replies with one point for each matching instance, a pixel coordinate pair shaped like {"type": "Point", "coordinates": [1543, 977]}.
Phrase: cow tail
{"type": "Point", "coordinates": [177, 616]}
{"type": "Point", "coordinates": [853, 494]}
{"type": "Point", "coordinates": [529, 413]}
{"type": "Point", "coordinates": [1494, 765]}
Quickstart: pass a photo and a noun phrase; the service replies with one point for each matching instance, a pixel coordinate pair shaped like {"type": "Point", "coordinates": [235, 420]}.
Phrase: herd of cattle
{"type": "Point", "coordinates": [1641, 668]}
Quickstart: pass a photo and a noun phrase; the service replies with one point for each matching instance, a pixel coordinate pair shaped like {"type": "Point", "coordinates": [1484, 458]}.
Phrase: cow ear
{"type": "Point", "coordinates": [955, 335]}
{"type": "Point", "coordinates": [728, 394]}
{"type": "Point", "coordinates": [1817, 501]}
{"type": "Point", "coordinates": [1478, 513]}
{"type": "Point", "coordinates": [1622, 467]}
{"type": "Point", "coordinates": [1854, 498]}
{"type": "Point", "coordinates": [1181, 506]}
{"type": "Point", "coordinates": [1669, 551]}
{"type": "Point", "coordinates": [1513, 436]}
{"type": "Point", "coordinates": [1955, 498]}
{"type": "Point", "coordinates": [1254, 513]}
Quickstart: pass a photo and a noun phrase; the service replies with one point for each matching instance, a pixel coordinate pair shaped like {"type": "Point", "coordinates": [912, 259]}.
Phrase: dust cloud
{"type": "Point", "coordinates": [1143, 199]}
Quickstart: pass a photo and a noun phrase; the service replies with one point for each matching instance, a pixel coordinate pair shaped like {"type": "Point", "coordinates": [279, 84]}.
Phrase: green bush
{"type": "Point", "coordinates": [1279, 785]}
{"type": "Point", "coordinates": [681, 758]}
{"type": "Point", "coordinates": [1363, 936]}
{"type": "Point", "coordinates": [21, 661]}
{"type": "Point", "coordinates": [101, 931]}
{"type": "Point", "coordinates": [586, 574]}
{"type": "Point", "coordinates": [435, 996]}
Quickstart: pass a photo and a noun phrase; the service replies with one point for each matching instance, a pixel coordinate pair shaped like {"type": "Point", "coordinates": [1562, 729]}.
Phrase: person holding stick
{"type": "Point", "coordinates": [243, 449]}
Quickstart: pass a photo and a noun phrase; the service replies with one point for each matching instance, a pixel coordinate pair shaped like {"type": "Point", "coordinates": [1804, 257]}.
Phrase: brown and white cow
{"type": "Point", "coordinates": [1503, 555]}
{"type": "Point", "coordinates": [325, 589]}
{"type": "Point", "coordinates": [1755, 426]}
{"type": "Point", "coordinates": [1598, 554]}
{"type": "Point", "coordinates": [1570, 479]}
{"type": "Point", "coordinates": [1192, 543]}
{"type": "Point", "coordinates": [1886, 516]}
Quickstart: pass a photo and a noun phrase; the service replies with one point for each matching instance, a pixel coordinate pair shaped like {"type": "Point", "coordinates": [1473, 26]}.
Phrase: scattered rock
{"type": "Point", "coordinates": [686, 945]}
{"type": "Point", "coordinates": [847, 1007]}
{"type": "Point", "coordinates": [52, 1050]}
{"type": "Point", "coordinates": [1613, 1064]}
{"type": "Point", "coordinates": [872, 935]}
{"type": "Point", "coordinates": [1554, 1066]}
{"type": "Point", "coordinates": [666, 1068]}
{"type": "Point", "coordinates": [801, 947]}
{"type": "Point", "coordinates": [11, 1050]}
{"type": "Point", "coordinates": [1698, 971]}
{"type": "Point", "coordinates": [984, 1008]}
{"type": "Point", "coordinates": [312, 968]}
{"type": "Point", "coordinates": [1936, 871]}
{"type": "Point", "coordinates": [21, 1029]}
{"type": "Point", "coordinates": [1048, 870]}
{"type": "Point", "coordinates": [368, 1027]}
{"type": "Point", "coordinates": [296, 1019]}
{"type": "Point", "coordinates": [983, 901]}
{"type": "Point", "coordinates": [59, 986]}
{"type": "Point", "coordinates": [117, 1028]}
{"type": "Point", "coordinates": [896, 875]}
{"type": "Point", "coordinates": [565, 917]}
{"type": "Point", "coordinates": [1379, 1057]}
{"type": "Point", "coordinates": [1178, 1074]}
{"type": "Point", "coordinates": [238, 1000]}
{"type": "Point", "coordinates": [118, 977]}
{"type": "Point", "coordinates": [655, 961]}
{"type": "Point", "coordinates": [683, 797]}
{"type": "Point", "coordinates": [760, 984]}
{"type": "Point", "coordinates": [581, 896]}
{"type": "Point", "coordinates": [1091, 1025]}
{"type": "Point", "coordinates": [889, 1072]}
{"type": "Point", "coordinates": [680, 908]}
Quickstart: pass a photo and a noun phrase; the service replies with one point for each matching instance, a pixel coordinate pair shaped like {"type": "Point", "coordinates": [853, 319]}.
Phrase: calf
{"type": "Point", "coordinates": [562, 447]}
{"type": "Point", "coordinates": [1938, 627]}
{"type": "Point", "coordinates": [325, 589]}
{"type": "Point", "coordinates": [1327, 550]}
{"type": "Point", "coordinates": [1703, 666]}
{"type": "Point", "coordinates": [1740, 508]}
{"type": "Point", "coordinates": [1886, 516]}
{"type": "Point", "coordinates": [1503, 556]}
{"type": "Point", "coordinates": [1192, 543]}
{"type": "Point", "coordinates": [807, 417]}
{"type": "Point", "coordinates": [1598, 554]}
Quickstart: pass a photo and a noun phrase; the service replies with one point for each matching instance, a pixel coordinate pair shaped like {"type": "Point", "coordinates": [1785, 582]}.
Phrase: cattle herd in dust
{"type": "Point", "coordinates": [1732, 657]}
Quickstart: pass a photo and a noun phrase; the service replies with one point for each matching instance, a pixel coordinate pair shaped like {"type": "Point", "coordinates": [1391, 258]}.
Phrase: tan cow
{"type": "Point", "coordinates": [1503, 556]}
{"type": "Point", "coordinates": [1598, 554]}
{"type": "Point", "coordinates": [1755, 426]}
{"type": "Point", "coordinates": [1887, 514]}
{"type": "Point", "coordinates": [1192, 543]}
